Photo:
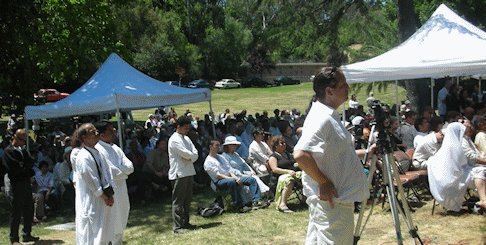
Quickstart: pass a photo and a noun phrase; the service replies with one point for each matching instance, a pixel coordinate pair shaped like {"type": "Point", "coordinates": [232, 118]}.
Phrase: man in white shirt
{"type": "Point", "coordinates": [182, 155]}
{"type": "Point", "coordinates": [93, 206]}
{"type": "Point", "coordinates": [422, 127]}
{"type": "Point", "coordinates": [120, 167]}
{"type": "Point", "coordinates": [441, 97]}
{"type": "Point", "coordinates": [227, 178]}
{"type": "Point", "coordinates": [429, 144]}
{"type": "Point", "coordinates": [334, 177]}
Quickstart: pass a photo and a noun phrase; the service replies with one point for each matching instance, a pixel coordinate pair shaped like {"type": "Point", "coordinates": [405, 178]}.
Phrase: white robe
{"type": "Point", "coordinates": [91, 209]}
{"type": "Point", "coordinates": [120, 167]}
{"type": "Point", "coordinates": [448, 170]}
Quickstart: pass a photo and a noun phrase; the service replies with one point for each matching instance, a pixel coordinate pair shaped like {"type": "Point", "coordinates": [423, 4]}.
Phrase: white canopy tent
{"type": "Point", "coordinates": [118, 87]}
{"type": "Point", "coordinates": [446, 45]}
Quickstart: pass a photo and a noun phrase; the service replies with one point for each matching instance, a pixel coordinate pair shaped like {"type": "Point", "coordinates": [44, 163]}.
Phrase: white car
{"type": "Point", "coordinates": [227, 83]}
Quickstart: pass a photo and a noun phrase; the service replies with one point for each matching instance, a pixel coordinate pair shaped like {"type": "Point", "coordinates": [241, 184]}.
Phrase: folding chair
{"type": "Point", "coordinates": [224, 194]}
{"type": "Point", "coordinates": [410, 179]}
{"type": "Point", "coordinates": [298, 193]}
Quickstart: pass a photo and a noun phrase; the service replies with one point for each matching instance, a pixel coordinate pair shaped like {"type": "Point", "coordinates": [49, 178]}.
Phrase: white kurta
{"type": "Point", "coordinates": [91, 209]}
{"type": "Point", "coordinates": [120, 167]}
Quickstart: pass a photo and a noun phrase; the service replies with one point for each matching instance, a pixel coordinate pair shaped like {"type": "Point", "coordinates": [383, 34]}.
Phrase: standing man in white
{"type": "Point", "coordinates": [120, 167]}
{"type": "Point", "coordinates": [93, 205]}
{"type": "Point", "coordinates": [182, 155]}
{"type": "Point", "coordinates": [334, 177]}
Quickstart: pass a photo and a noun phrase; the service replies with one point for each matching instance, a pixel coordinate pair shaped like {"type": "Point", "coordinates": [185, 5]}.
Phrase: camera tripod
{"type": "Point", "coordinates": [389, 173]}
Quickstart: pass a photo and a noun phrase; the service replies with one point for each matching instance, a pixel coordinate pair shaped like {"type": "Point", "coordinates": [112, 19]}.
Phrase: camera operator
{"type": "Point", "coordinates": [334, 177]}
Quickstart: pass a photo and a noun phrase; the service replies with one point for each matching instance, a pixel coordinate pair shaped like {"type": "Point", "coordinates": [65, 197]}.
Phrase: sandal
{"type": "Point", "coordinates": [285, 210]}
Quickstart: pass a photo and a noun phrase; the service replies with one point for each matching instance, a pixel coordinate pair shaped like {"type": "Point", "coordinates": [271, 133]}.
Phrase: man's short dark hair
{"type": "Point", "coordinates": [212, 142]}
{"type": "Point", "coordinates": [419, 122]}
{"type": "Point", "coordinates": [182, 120]}
{"type": "Point", "coordinates": [410, 114]}
{"type": "Point", "coordinates": [434, 122]}
{"type": "Point", "coordinates": [452, 114]}
{"type": "Point", "coordinates": [102, 126]}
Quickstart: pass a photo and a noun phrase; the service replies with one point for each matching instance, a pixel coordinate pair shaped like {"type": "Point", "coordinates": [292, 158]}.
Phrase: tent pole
{"type": "Point", "coordinates": [120, 134]}
{"type": "Point", "coordinates": [211, 113]}
{"type": "Point", "coordinates": [432, 85]}
{"type": "Point", "coordinates": [26, 126]}
{"type": "Point", "coordinates": [396, 100]}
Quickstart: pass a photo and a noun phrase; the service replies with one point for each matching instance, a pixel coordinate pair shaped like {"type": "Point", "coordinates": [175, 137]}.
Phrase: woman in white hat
{"type": "Point", "coordinates": [229, 153]}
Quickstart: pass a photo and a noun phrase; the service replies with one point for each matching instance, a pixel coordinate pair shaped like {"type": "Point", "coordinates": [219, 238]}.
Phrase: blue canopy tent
{"type": "Point", "coordinates": [117, 87]}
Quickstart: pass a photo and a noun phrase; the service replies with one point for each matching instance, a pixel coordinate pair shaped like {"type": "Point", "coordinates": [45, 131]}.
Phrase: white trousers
{"type": "Point", "coordinates": [329, 225]}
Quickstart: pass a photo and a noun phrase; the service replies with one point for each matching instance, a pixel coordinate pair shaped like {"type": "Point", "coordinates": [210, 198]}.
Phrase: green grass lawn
{"type": "Point", "coordinates": [268, 99]}
{"type": "Point", "coordinates": [152, 224]}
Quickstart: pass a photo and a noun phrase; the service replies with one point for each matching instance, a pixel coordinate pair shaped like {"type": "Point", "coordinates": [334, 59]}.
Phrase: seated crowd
{"type": "Point", "coordinates": [257, 152]}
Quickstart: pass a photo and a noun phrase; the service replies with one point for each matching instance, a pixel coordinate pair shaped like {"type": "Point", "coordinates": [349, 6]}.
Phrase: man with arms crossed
{"type": "Point", "coordinates": [120, 167]}
{"type": "Point", "coordinates": [334, 177]}
{"type": "Point", "coordinates": [182, 155]}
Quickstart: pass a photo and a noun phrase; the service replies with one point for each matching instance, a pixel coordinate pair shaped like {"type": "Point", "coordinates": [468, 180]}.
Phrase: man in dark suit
{"type": "Point", "coordinates": [18, 163]}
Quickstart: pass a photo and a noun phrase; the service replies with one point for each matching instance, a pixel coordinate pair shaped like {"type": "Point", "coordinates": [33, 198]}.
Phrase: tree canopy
{"type": "Point", "coordinates": [61, 43]}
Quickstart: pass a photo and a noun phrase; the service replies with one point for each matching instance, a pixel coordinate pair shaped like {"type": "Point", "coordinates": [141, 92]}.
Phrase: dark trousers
{"type": "Point", "coordinates": [181, 201]}
{"type": "Point", "coordinates": [22, 204]}
{"type": "Point", "coordinates": [232, 186]}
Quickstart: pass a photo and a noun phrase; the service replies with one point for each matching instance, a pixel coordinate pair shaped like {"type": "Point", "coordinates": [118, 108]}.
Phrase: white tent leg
{"type": "Point", "coordinates": [396, 100]}
{"type": "Point", "coordinates": [211, 113]}
{"type": "Point", "coordinates": [120, 135]}
{"type": "Point", "coordinates": [432, 85]}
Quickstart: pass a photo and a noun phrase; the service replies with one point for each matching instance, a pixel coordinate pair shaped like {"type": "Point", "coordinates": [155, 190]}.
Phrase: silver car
{"type": "Point", "coordinates": [227, 83]}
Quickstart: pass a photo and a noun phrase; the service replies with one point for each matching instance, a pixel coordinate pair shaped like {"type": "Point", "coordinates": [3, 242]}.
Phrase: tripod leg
{"type": "Point", "coordinates": [405, 211]}
{"type": "Point", "coordinates": [388, 178]}
{"type": "Point", "coordinates": [358, 229]}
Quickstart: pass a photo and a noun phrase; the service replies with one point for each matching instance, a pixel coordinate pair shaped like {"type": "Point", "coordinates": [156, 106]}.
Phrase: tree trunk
{"type": "Point", "coordinates": [418, 90]}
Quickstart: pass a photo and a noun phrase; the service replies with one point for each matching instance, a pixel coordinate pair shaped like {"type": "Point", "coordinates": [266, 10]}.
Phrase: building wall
{"type": "Point", "coordinates": [300, 71]}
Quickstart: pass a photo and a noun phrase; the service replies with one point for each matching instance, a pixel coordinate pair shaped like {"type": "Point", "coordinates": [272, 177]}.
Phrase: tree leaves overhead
{"type": "Point", "coordinates": [75, 37]}
{"type": "Point", "coordinates": [52, 43]}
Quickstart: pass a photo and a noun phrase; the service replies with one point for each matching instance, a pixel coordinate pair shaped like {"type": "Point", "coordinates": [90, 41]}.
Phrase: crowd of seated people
{"type": "Point", "coordinates": [251, 146]}
{"type": "Point", "coordinates": [423, 136]}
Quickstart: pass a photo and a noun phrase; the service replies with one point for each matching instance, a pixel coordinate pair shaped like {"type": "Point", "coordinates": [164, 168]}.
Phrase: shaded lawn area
{"type": "Point", "coordinates": [152, 224]}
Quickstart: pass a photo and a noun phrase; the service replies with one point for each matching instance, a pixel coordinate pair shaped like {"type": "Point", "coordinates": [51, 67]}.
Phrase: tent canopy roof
{"type": "Point", "coordinates": [117, 85]}
{"type": "Point", "coordinates": [446, 45]}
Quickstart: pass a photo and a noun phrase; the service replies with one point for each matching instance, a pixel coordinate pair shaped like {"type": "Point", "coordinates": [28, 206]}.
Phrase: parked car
{"type": "Point", "coordinates": [200, 84]}
{"type": "Point", "coordinates": [227, 83]}
{"type": "Point", "coordinates": [49, 95]}
{"type": "Point", "coordinates": [285, 81]}
{"type": "Point", "coordinates": [175, 83]}
{"type": "Point", "coordinates": [256, 82]}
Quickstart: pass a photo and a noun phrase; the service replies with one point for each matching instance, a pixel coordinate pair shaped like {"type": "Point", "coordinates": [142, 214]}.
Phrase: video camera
{"type": "Point", "coordinates": [382, 114]}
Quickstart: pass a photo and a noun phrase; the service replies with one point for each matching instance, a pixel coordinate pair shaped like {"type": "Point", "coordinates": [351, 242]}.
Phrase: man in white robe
{"type": "Point", "coordinates": [120, 167]}
{"type": "Point", "coordinates": [93, 205]}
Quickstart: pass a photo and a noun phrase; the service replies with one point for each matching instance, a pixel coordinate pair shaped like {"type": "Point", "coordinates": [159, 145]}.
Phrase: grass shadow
{"type": "Point", "coordinates": [48, 242]}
